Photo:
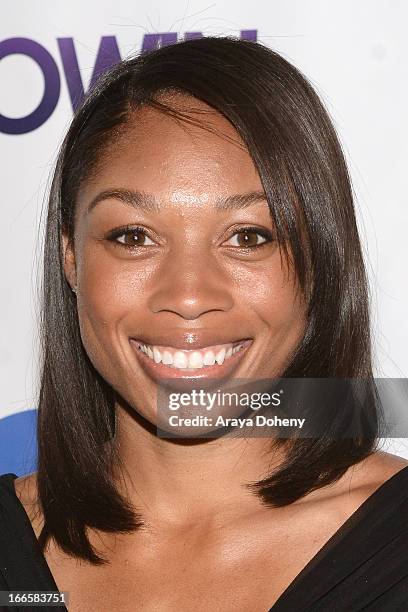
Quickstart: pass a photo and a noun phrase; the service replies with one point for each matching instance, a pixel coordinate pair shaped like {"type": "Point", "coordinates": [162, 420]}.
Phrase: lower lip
{"type": "Point", "coordinates": [162, 371]}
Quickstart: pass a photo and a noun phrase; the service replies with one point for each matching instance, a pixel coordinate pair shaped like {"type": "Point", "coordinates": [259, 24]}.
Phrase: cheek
{"type": "Point", "coordinates": [111, 286]}
{"type": "Point", "coordinates": [112, 292]}
{"type": "Point", "coordinates": [271, 294]}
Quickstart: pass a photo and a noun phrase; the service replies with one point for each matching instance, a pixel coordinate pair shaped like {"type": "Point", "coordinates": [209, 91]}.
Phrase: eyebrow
{"type": "Point", "coordinates": [148, 203]}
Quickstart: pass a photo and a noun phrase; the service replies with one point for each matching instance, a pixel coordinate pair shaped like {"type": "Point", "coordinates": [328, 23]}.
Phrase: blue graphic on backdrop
{"type": "Point", "coordinates": [108, 54]}
{"type": "Point", "coordinates": [18, 443]}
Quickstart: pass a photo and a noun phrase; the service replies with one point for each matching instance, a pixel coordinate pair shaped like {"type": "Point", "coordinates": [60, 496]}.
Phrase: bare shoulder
{"type": "Point", "coordinates": [26, 491]}
{"type": "Point", "coordinates": [378, 468]}
{"type": "Point", "coordinates": [363, 479]}
{"type": "Point", "coordinates": [26, 488]}
{"type": "Point", "coordinates": [358, 483]}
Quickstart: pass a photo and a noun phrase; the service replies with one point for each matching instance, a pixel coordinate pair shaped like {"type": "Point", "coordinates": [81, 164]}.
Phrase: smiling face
{"type": "Point", "coordinates": [175, 261]}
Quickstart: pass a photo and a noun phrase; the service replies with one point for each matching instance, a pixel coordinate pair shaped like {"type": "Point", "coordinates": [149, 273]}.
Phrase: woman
{"type": "Point", "coordinates": [201, 203]}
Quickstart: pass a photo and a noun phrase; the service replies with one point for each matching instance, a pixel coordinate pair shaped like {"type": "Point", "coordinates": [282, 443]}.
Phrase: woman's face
{"type": "Point", "coordinates": [161, 261]}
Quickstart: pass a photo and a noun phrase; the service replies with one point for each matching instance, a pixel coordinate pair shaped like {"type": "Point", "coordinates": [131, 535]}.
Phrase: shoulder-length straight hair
{"type": "Point", "coordinates": [296, 151]}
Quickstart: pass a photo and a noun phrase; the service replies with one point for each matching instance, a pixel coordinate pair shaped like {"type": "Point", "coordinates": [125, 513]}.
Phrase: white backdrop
{"type": "Point", "coordinates": [355, 53]}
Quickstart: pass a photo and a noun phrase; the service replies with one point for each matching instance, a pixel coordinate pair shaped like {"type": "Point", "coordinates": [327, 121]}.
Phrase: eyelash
{"type": "Point", "coordinates": [123, 231]}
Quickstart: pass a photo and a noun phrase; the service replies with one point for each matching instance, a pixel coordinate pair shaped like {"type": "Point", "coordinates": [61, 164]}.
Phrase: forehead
{"type": "Point", "coordinates": [159, 153]}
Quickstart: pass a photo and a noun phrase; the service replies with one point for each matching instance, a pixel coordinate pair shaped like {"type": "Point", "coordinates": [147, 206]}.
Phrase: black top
{"type": "Point", "coordinates": [363, 566]}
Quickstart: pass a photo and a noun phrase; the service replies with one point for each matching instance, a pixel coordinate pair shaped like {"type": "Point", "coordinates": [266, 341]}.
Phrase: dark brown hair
{"type": "Point", "coordinates": [296, 151]}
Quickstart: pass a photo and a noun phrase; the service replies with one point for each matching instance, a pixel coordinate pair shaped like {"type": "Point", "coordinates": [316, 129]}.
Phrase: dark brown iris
{"type": "Point", "coordinates": [247, 238]}
{"type": "Point", "coordinates": [134, 238]}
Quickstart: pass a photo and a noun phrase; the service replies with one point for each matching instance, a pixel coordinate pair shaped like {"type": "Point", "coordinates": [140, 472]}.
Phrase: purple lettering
{"type": "Point", "coordinates": [52, 85]}
{"type": "Point", "coordinates": [155, 41]}
{"type": "Point", "coordinates": [249, 35]}
{"type": "Point", "coordinates": [108, 54]}
{"type": "Point", "coordinates": [192, 35]}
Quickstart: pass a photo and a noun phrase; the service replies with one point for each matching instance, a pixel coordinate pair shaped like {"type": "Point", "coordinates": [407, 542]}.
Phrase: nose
{"type": "Point", "coordinates": [190, 286]}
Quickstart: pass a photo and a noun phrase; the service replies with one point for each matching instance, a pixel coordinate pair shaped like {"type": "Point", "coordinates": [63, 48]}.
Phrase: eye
{"type": "Point", "coordinates": [131, 237]}
{"type": "Point", "coordinates": [250, 237]}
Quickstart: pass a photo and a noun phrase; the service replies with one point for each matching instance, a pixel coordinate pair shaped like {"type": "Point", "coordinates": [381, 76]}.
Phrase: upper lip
{"type": "Point", "coordinates": [189, 341]}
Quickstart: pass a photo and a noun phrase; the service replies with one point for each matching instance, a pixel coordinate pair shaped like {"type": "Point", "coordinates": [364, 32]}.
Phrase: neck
{"type": "Point", "coordinates": [181, 482]}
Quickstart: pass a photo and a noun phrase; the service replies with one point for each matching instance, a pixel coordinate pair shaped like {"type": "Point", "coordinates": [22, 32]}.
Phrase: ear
{"type": "Point", "coordinates": [68, 255]}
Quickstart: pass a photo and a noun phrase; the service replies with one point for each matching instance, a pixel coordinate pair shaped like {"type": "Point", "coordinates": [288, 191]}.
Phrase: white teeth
{"type": "Point", "coordinates": [167, 358]}
{"type": "Point", "coordinates": [195, 360]}
{"type": "Point", "coordinates": [180, 360]}
{"type": "Point", "coordinates": [209, 358]}
{"type": "Point", "coordinates": [220, 356]}
{"type": "Point", "coordinates": [156, 355]}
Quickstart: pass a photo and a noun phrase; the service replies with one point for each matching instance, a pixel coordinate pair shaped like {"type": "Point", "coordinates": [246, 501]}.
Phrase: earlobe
{"type": "Point", "coordinates": [68, 257]}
